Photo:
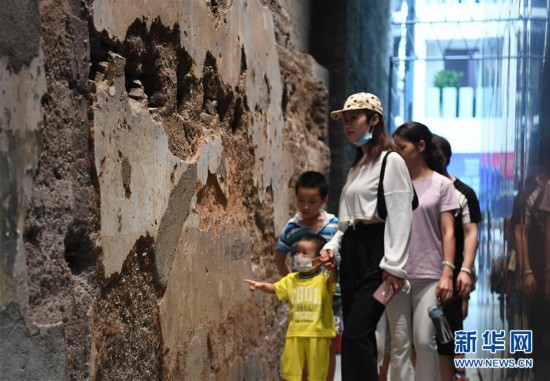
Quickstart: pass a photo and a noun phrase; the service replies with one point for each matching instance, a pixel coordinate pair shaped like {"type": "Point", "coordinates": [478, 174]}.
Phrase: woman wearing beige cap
{"type": "Point", "coordinates": [373, 240]}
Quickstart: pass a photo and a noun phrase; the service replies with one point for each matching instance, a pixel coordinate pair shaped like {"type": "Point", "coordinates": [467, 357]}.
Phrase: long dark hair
{"type": "Point", "coordinates": [414, 132]}
{"type": "Point", "coordinates": [443, 153]}
{"type": "Point", "coordinates": [380, 141]}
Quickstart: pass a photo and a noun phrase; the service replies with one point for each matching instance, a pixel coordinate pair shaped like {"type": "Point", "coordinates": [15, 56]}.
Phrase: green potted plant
{"type": "Point", "coordinates": [447, 78]}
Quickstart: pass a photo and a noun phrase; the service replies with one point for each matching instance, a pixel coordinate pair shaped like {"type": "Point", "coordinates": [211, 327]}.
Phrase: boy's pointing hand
{"type": "Point", "coordinates": [251, 284]}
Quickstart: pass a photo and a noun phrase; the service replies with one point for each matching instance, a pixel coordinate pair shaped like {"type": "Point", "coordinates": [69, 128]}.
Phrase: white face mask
{"type": "Point", "coordinates": [304, 264]}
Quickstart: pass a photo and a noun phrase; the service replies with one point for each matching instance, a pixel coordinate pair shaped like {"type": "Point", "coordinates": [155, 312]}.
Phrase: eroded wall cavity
{"type": "Point", "coordinates": [151, 150]}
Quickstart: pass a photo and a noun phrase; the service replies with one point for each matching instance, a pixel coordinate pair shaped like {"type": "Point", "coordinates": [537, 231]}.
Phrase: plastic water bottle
{"type": "Point", "coordinates": [443, 330]}
{"type": "Point", "coordinates": [406, 287]}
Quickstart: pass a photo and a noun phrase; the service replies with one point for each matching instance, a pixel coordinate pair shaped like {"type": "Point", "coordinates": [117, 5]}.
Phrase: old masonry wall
{"type": "Point", "coordinates": [148, 152]}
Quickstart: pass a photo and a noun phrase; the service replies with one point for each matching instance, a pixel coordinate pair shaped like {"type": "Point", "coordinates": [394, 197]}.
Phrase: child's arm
{"type": "Point", "coordinates": [332, 277]}
{"type": "Point", "coordinates": [330, 255]}
{"type": "Point", "coordinates": [262, 286]}
{"type": "Point", "coordinates": [280, 262]}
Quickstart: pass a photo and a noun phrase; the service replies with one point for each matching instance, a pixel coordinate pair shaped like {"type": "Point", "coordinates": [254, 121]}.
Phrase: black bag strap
{"type": "Point", "coordinates": [380, 199]}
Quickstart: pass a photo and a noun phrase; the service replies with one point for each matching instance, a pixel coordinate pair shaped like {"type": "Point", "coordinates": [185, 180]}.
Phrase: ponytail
{"type": "Point", "coordinates": [414, 132]}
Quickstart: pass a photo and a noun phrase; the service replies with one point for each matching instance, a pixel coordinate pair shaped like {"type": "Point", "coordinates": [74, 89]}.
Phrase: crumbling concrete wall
{"type": "Point", "coordinates": [151, 150]}
{"type": "Point", "coordinates": [299, 14]}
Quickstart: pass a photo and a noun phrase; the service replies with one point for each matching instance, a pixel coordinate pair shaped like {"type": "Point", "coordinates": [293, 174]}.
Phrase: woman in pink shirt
{"type": "Point", "coordinates": [430, 263]}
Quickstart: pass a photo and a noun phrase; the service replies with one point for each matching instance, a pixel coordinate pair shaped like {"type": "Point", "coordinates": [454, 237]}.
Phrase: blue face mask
{"type": "Point", "coordinates": [365, 138]}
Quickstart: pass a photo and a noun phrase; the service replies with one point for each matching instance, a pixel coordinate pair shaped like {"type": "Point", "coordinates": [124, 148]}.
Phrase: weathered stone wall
{"type": "Point", "coordinates": [299, 14]}
{"type": "Point", "coordinates": [150, 151]}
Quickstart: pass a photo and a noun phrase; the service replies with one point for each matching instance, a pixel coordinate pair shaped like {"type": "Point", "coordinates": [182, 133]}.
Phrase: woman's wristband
{"type": "Point", "coordinates": [527, 272]}
{"type": "Point", "coordinates": [466, 270]}
{"type": "Point", "coordinates": [447, 263]}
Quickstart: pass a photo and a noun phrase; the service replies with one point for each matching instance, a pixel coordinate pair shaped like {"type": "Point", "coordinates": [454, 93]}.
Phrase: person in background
{"type": "Point", "coordinates": [309, 292]}
{"type": "Point", "coordinates": [529, 231]}
{"type": "Point", "coordinates": [311, 195]}
{"type": "Point", "coordinates": [536, 273]}
{"type": "Point", "coordinates": [431, 259]}
{"type": "Point", "coordinates": [371, 248]}
{"type": "Point", "coordinates": [466, 221]}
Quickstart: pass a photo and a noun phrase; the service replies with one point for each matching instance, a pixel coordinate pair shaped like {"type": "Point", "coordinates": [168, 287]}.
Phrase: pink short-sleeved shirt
{"type": "Point", "coordinates": [436, 194]}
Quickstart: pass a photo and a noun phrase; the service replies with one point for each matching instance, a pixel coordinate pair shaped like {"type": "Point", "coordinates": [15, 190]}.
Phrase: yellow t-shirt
{"type": "Point", "coordinates": [310, 300]}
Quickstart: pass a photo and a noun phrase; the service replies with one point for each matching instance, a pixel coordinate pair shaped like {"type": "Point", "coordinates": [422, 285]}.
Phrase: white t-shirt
{"type": "Point", "coordinates": [359, 202]}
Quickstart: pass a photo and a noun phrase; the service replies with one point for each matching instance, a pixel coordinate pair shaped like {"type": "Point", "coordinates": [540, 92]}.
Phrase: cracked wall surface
{"type": "Point", "coordinates": [151, 150]}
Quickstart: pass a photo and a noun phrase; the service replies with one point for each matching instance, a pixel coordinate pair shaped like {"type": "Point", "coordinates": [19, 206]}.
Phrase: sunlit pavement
{"type": "Point", "coordinates": [338, 372]}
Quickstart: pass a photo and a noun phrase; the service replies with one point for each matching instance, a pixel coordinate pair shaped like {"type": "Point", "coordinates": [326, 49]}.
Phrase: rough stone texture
{"type": "Point", "coordinates": [126, 316]}
{"type": "Point", "coordinates": [299, 14]}
{"type": "Point", "coordinates": [26, 355]}
{"type": "Point", "coordinates": [151, 150]}
{"type": "Point", "coordinates": [20, 121]}
{"type": "Point", "coordinates": [30, 349]}
{"type": "Point", "coordinates": [19, 32]}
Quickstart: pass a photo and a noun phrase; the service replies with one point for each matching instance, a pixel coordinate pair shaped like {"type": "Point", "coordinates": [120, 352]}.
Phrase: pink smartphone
{"type": "Point", "coordinates": [381, 296]}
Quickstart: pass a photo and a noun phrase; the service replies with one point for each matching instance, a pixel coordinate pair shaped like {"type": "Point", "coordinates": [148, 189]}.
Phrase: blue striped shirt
{"type": "Point", "coordinates": [296, 229]}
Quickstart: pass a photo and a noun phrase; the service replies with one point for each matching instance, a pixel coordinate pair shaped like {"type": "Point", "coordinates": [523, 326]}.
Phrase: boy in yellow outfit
{"type": "Point", "coordinates": [309, 293]}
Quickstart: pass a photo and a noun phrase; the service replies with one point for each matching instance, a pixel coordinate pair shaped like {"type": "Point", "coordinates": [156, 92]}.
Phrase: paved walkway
{"type": "Point", "coordinates": [338, 372]}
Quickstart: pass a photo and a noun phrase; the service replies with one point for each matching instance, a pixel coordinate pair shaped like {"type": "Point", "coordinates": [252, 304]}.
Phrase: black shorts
{"type": "Point", "coordinates": [453, 313]}
{"type": "Point", "coordinates": [337, 310]}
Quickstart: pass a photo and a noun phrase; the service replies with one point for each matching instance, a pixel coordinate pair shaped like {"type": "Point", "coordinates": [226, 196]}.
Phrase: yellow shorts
{"type": "Point", "coordinates": [301, 350]}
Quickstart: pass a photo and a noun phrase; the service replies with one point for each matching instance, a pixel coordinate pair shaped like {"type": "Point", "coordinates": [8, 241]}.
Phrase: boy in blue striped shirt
{"type": "Point", "coordinates": [311, 195]}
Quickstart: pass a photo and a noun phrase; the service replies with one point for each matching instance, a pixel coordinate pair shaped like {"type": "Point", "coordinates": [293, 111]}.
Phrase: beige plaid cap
{"type": "Point", "coordinates": [359, 101]}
